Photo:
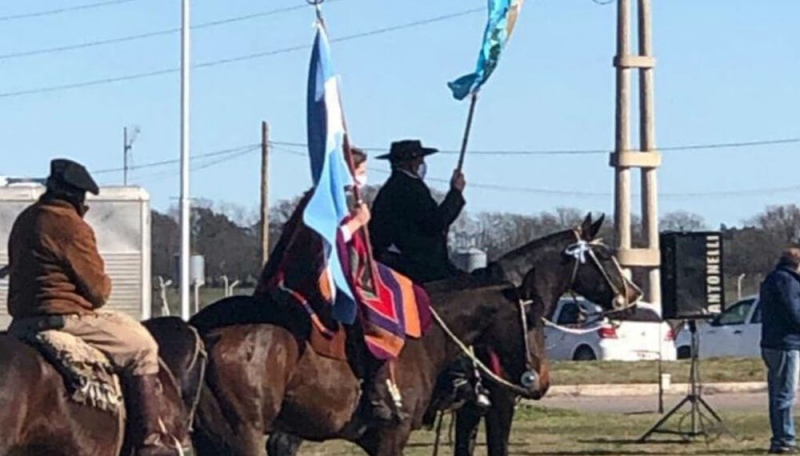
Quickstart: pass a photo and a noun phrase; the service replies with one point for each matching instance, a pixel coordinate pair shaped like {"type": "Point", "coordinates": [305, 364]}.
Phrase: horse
{"type": "Point", "coordinates": [40, 415]}
{"type": "Point", "coordinates": [499, 416]}
{"type": "Point", "coordinates": [262, 379]}
{"type": "Point", "coordinates": [552, 281]}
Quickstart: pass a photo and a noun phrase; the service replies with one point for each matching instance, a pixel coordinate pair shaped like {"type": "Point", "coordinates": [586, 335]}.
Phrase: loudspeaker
{"type": "Point", "coordinates": [692, 282]}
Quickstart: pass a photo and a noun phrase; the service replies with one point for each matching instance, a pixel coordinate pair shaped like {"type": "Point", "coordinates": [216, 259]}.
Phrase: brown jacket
{"type": "Point", "coordinates": [54, 264]}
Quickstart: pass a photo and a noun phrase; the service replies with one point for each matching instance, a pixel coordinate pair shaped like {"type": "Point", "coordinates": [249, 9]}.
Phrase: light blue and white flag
{"type": "Point", "coordinates": [329, 170]}
{"type": "Point", "coordinates": [502, 18]}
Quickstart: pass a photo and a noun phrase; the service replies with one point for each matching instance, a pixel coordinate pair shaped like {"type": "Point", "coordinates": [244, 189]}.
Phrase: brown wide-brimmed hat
{"type": "Point", "coordinates": [407, 149]}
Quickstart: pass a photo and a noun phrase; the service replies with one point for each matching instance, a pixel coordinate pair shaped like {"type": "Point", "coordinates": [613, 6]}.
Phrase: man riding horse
{"type": "Point", "coordinates": [286, 276]}
{"type": "Point", "coordinates": [409, 232]}
{"type": "Point", "coordinates": [57, 281]}
{"type": "Point", "coordinates": [409, 229]}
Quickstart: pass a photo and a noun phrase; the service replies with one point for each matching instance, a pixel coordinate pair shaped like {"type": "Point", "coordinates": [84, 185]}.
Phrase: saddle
{"type": "Point", "coordinates": [88, 374]}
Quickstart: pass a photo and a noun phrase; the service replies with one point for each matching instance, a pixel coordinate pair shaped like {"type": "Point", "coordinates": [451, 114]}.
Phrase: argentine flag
{"type": "Point", "coordinates": [502, 18]}
{"type": "Point", "coordinates": [329, 170]}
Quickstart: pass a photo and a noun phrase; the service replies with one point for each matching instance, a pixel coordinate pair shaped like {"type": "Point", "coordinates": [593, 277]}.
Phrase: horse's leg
{"type": "Point", "coordinates": [498, 422]}
{"type": "Point", "coordinates": [468, 418]}
{"type": "Point", "coordinates": [281, 444]}
{"type": "Point", "coordinates": [386, 441]}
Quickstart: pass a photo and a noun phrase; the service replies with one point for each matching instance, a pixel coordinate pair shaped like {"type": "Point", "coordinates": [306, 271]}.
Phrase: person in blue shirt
{"type": "Point", "coordinates": [780, 348]}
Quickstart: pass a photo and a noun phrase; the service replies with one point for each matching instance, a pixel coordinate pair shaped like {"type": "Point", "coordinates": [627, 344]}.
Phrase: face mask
{"type": "Point", "coordinates": [361, 180]}
{"type": "Point", "coordinates": [423, 168]}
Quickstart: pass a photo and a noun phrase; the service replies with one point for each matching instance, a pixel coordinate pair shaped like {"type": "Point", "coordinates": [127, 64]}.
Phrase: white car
{"type": "Point", "coordinates": [577, 331]}
{"type": "Point", "coordinates": [736, 332]}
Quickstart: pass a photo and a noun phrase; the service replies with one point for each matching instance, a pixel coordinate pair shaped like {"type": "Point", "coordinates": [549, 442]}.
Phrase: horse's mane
{"type": "Point", "coordinates": [513, 265]}
{"type": "Point", "coordinates": [504, 272]}
{"type": "Point", "coordinates": [466, 282]}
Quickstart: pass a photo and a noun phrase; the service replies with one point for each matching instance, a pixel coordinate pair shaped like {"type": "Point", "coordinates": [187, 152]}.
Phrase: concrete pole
{"type": "Point", "coordinates": [648, 145]}
{"type": "Point", "coordinates": [622, 203]}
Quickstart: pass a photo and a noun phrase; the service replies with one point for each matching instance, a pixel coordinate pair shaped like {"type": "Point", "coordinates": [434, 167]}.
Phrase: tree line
{"type": "Point", "coordinates": [227, 235]}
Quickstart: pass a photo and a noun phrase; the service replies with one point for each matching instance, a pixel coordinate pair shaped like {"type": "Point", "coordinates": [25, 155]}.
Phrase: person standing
{"type": "Point", "coordinates": [780, 348]}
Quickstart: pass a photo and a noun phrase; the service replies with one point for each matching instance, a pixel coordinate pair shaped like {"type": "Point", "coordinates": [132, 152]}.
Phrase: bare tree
{"type": "Point", "coordinates": [682, 221]}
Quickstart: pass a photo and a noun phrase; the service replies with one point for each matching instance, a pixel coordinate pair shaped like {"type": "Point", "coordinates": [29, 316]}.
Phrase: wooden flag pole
{"type": "Point", "coordinates": [472, 102]}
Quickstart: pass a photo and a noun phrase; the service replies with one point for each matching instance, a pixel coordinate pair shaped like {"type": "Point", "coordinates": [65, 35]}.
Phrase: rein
{"type": "Point", "coordinates": [478, 363]}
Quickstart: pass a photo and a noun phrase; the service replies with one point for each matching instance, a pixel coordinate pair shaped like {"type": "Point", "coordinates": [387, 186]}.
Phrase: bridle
{"type": "Point", "coordinates": [579, 251]}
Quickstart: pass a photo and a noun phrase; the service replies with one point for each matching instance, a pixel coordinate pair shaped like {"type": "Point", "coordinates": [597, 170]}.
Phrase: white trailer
{"type": "Point", "coordinates": [120, 217]}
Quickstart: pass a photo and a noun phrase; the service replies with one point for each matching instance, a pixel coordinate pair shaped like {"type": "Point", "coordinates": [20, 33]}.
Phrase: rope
{"type": "Point", "coordinates": [199, 352]}
{"type": "Point", "coordinates": [438, 434]}
{"type": "Point", "coordinates": [477, 362]}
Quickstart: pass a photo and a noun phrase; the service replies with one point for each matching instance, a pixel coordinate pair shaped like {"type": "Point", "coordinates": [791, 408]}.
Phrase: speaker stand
{"type": "Point", "coordinates": [695, 401]}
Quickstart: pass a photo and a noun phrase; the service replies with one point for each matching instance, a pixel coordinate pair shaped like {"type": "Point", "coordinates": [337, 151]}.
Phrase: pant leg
{"type": "Point", "coordinates": [782, 378]}
{"type": "Point", "coordinates": [127, 343]}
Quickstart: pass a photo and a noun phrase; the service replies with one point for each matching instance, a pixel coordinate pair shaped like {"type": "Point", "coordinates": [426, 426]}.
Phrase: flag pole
{"type": "Point", "coordinates": [473, 101]}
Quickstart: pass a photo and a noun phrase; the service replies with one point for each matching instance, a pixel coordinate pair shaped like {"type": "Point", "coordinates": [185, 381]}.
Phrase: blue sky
{"type": "Point", "coordinates": [726, 72]}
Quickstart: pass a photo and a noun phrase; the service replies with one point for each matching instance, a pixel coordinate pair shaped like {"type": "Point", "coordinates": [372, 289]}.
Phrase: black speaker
{"type": "Point", "coordinates": [692, 282]}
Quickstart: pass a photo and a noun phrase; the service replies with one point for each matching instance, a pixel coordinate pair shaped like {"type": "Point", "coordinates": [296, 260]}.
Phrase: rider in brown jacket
{"type": "Point", "coordinates": [57, 281]}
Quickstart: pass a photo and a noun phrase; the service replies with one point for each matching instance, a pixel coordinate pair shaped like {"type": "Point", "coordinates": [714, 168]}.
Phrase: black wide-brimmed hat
{"type": "Point", "coordinates": [407, 149]}
{"type": "Point", "coordinates": [73, 174]}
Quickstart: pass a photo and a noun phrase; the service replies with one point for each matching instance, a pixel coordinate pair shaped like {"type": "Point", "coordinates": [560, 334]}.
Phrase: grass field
{"type": "Point", "coordinates": [547, 431]}
{"type": "Point", "coordinates": [619, 372]}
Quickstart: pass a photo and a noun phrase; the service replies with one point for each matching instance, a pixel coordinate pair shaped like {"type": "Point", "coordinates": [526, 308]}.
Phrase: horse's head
{"type": "Point", "coordinates": [573, 259]}
{"type": "Point", "coordinates": [516, 341]}
{"type": "Point", "coordinates": [597, 275]}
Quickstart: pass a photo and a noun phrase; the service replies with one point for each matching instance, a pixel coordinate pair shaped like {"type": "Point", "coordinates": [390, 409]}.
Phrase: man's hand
{"type": "Point", "coordinates": [457, 181]}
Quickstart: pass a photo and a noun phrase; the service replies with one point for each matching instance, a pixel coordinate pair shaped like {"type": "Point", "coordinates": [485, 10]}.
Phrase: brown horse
{"type": "Point", "coordinates": [38, 417]}
{"type": "Point", "coordinates": [554, 274]}
{"type": "Point", "coordinates": [263, 379]}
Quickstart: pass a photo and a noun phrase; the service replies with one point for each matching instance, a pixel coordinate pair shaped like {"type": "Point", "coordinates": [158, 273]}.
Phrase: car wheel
{"type": "Point", "coordinates": [684, 352]}
{"type": "Point", "coordinates": [584, 353]}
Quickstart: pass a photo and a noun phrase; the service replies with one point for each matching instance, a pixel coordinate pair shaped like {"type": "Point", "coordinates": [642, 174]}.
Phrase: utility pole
{"type": "Point", "coordinates": [127, 145]}
{"type": "Point", "coordinates": [185, 219]}
{"type": "Point", "coordinates": [647, 158]}
{"type": "Point", "coordinates": [264, 192]}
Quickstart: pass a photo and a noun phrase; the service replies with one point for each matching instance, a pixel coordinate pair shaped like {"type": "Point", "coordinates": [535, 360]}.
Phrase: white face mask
{"type": "Point", "coordinates": [423, 168]}
{"type": "Point", "coordinates": [361, 180]}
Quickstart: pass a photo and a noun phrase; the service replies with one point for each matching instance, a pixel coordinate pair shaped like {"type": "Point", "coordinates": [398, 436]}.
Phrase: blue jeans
{"type": "Point", "coordinates": [782, 372]}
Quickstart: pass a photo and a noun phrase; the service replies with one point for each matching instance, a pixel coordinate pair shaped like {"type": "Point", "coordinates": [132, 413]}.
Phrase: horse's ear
{"type": "Point", "coordinates": [596, 227]}
{"type": "Point", "coordinates": [586, 227]}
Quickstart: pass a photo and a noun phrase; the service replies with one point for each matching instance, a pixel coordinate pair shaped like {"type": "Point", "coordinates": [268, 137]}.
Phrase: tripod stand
{"type": "Point", "coordinates": [695, 401]}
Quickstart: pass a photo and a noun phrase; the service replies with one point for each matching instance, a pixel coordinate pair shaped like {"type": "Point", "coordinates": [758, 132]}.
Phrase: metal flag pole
{"type": "Point", "coordinates": [185, 219]}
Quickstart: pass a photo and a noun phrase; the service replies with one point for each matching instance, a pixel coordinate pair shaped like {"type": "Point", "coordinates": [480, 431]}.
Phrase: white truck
{"type": "Point", "coordinates": [120, 217]}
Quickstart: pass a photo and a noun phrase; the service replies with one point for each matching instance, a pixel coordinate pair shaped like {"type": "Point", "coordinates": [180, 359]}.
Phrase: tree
{"type": "Point", "coordinates": [782, 222]}
{"type": "Point", "coordinates": [682, 221]}
{"type": "Point", "coordinates": [164, 243]}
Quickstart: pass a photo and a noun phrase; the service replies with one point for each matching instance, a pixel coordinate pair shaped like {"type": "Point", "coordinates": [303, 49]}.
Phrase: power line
{"type": "Point", "coordinates": [224, 152]}
{"type": "Point", "coordinates": [724, 145]}
{"type": "Point", "coordinates": [226, 61]}
{"type": "Point", "coordinates": [62, 10]}
{"type": "Point", "coordinates": [552, 192]}
{"type": "Point", "coordinates": [161, 175]}
{"type": "Point", "coordinates": [140, 36]}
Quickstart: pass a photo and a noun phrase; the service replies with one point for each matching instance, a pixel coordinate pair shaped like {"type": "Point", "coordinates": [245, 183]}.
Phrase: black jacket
{"type": "Point", "coordinates": [405, 215]}
{"type": "Point", "coordinates": [780, 310]}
